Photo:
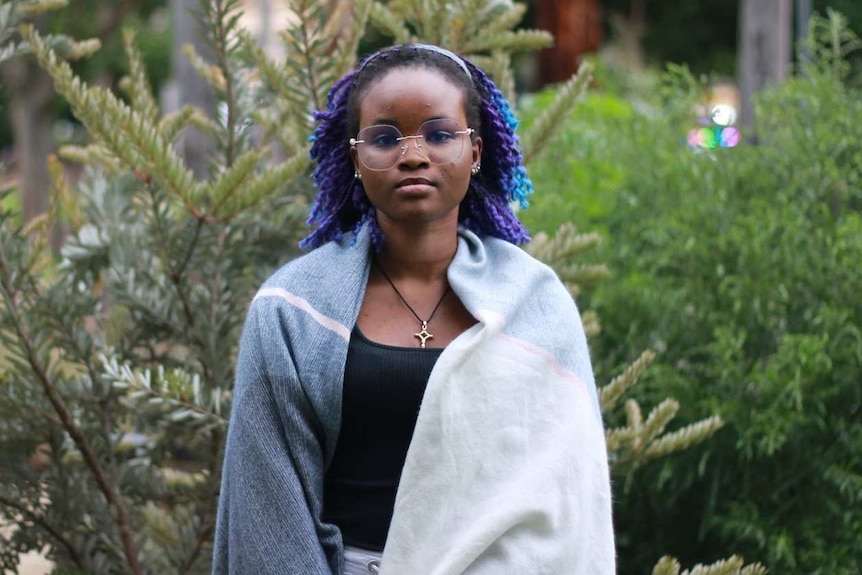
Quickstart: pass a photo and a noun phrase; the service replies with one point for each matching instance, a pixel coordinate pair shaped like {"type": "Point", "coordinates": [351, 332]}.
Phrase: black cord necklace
{"type": "Point", "coordinates": [423, 335]}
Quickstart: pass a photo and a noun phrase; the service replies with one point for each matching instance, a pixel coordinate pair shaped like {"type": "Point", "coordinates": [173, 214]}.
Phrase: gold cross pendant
{"type": "Point", "coordinates": [423, 335]}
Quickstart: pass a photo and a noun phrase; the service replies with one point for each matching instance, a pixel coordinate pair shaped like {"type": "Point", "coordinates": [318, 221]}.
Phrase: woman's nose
{"type": "Point", "coordinates": [412, 152]}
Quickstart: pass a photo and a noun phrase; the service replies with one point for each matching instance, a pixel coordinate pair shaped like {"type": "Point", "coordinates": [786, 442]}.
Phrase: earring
{"type": "Point", "coordinates": [357, 175]}
{"type": "Point", "coordinates": [475, 169]}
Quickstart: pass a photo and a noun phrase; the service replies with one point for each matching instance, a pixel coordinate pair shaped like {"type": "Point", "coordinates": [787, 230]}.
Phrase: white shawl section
{"type": "Point", "coordinates": [507, 472]}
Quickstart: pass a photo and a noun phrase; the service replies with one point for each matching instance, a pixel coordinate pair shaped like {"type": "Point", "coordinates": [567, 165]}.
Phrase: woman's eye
{"type": "Point", "coordinates": [439, 137]}
{"type": "Point", "coordinates": [384, 140]}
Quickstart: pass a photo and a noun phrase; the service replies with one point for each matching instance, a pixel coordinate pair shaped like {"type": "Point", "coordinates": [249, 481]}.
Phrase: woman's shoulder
{"type": "Point", "coordinates": [299, 269]}
{"type": "Point", "coordinates": [331, 262]}
{"type": "Point", "coordinates": [506, 258]}
{"type": "Point", "coordinates": [487, 269]}
{"type": "Point", "coordinates": [322, 285]}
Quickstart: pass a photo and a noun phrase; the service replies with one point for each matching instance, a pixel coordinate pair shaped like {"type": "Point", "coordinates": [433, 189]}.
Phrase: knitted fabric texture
{"type": "Point", "coordinates": [507, 471]}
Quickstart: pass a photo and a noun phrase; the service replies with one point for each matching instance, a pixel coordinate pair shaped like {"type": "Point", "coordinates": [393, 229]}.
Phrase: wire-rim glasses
{"type": "Point", "coordinates": [381, 146]}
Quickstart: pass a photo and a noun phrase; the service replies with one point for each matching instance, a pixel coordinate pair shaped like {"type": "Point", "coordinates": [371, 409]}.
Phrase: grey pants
{"type": "Point", "coordinates": [360, 561]}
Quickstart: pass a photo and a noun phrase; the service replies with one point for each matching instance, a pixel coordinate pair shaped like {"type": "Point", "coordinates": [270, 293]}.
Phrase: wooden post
{"type": "Point", "coordinates": [577, 29]}
{"type": "Point", "coordinates": [764, 48]}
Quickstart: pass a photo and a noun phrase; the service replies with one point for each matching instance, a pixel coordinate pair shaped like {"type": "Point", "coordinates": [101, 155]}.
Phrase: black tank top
{"type": "Point", "coordinates": [383, 388]}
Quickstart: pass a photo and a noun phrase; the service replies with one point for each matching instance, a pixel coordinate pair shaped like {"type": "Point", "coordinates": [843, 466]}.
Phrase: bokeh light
{"type": "Point", "coordinates": [717, 115]}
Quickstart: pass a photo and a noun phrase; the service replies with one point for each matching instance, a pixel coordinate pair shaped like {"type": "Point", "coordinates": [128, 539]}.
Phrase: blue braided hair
{"type": "Point", "coordinates": [341, 205]}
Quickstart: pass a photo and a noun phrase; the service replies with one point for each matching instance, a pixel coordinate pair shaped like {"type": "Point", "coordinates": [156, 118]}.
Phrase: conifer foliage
{"type": "Point", "coordinates": [118, 354]}
{"type": "Point", "coordinates": [16, 12]}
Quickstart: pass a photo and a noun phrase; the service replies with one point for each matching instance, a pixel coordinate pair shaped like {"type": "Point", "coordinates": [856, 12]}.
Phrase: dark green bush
{"type": "Point", "coordinates": [741, 267]}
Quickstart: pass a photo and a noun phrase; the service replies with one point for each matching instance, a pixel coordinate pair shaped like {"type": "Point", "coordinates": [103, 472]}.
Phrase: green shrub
{"type": "Point", "coordinates": [741, 268]}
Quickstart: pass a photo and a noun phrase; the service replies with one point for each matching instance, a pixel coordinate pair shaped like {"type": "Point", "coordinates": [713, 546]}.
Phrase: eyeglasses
{"type": "Point", "coordinates": [381, 146]}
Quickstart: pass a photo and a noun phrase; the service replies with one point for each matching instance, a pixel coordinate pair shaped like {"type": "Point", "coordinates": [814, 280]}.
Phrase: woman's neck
{"type": "Point", "coordinates": [422, 252]}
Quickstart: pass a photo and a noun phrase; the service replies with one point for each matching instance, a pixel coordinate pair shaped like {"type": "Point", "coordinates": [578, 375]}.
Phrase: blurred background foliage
{"type": "Point", "coordinates": [149, 18]}
{"type": "Point", "coordinates": [702, 35]}
{"type": "Point", "coordinates": [740, 267]}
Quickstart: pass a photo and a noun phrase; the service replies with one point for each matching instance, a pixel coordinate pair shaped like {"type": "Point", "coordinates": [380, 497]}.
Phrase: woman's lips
{"type": "Point", "coordinates": [414, 186]}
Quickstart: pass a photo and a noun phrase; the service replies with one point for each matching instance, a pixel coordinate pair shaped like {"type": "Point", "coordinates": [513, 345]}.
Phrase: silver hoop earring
{"type": "Point", "coordinates": [475, 169]}
{"type": "Point", "coordinates": [357, 175]}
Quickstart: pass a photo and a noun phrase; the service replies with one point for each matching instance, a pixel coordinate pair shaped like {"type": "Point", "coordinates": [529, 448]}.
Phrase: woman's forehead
{"type": "Point", "coordinates": [409, 95]}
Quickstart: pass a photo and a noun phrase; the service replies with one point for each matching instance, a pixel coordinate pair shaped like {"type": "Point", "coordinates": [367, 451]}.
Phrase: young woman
{"type": "Point", "coordinates": [415, 396]}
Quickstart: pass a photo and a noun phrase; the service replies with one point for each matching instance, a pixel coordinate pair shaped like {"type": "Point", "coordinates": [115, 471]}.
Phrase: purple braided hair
{"type": "Point", "coordinates": [503, 178]}
{"type": "Point", "coordinates": [341, 204]}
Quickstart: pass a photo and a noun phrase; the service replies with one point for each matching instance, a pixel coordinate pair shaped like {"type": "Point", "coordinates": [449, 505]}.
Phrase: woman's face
{"type": "Point", "coordinates": [414, 190]}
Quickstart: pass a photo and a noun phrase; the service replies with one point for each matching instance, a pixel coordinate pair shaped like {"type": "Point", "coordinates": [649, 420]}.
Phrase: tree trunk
{"type": "Point", "coordinates": [764, 51]}
{"type": "Point", "coordinates": [803, 15]}
{"type": "Point", "coordinates": [31, 107]}
{"type": "Point", "coordinates": [577, 29]}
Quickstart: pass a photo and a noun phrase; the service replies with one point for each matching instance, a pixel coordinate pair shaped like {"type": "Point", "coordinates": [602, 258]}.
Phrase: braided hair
{"type": "Point", "coordinates": [341, 205]}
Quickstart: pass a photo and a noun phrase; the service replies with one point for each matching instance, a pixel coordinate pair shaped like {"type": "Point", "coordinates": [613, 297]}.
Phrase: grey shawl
{"type": "Point", "coordinates": [507, 469]}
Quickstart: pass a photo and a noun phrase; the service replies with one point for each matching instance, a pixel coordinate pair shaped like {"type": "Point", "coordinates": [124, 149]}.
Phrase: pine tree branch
{"type": "Point", "coordinates": [685, 437]}
{"type": "Point", "coordinates": [666, 566]}
{"type": "Point", "coordinates": [507, 19]}
{"type": "Point", "coordinates": [186, 405]}
{"type": "Point", "coordinates": [387, 20]}
{"type": "Point", "coordinates": [610, 393]}
{"type": "Point", "coordinates": [203, 536]}
{"type": "Point", "coordinates": [517, 41]}
{"type": "Point", "coordinates": [347, 45]}
{"type": "Point", "coordinates": [85, 358]}
{"type": "Point", "coordinates": [137, 143]}
{"type": "Point", "coordinates": [180, 270]}
{"type": "Point", "coordinates": [91, 154]}
{"type": "Point", "coordinates": [413, 11]}
{"type": "Point", "coordinates": [659, 417]}
{"type": "Point", "coordinates": [212, 74]}
{"type": "Point", "coordinates": [730, 566]}
{"type": "Point", "coordinates": [754, 569]}
{"type": "Point", "coordinates": [441, 13]}
{"type": "Point", "coordinates": [176, 280]}
{"type": "Point", "coordinates": [271, 72]}
{"type": "Point", "coordinates": [634, 417]}
{"type": "Point", "coordinates": [137, 84]}
{"type": "Point", "coordinates": [558, 250]}
{"type": "Point", "coordinates": [233, 178]}
{"type": "Point", "coordinates": [171, 124]}
{"type": "Point", "coordinates": [265, 183]}
{"type": "Point", "coordinates": [157, 319]}
{"type": "Point", "coordinates": [590, 319]}
{"type": "Point", "coordinates": [112, 497]}
{"type": "Point", "coordinates": [222, 53]}
{"type": "Point", "coordinates": [501, 71]}
{"type": "Point", "coordinates": [176, 274]}
{"type": "Point", "coordinates": [55, 533]}
{"type": "Point", "coordinates": [142, 385]}
{"type": "Point", "coordinates": [34, 8]}
{"type": "Point", "coordinates": [481, 17]}
{"type": "Point", "coordinates": [310, 69]}
{"type": "Point", "coordinates": [570, 93]}
{"type": "Point", "coordinates": [217, 444]}
{"type": "Point", "coordinates": [207, 528]}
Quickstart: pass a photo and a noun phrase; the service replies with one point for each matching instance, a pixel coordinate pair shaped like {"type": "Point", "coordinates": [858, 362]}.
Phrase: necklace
{"type": "Point", "coordinates": [423, 334]}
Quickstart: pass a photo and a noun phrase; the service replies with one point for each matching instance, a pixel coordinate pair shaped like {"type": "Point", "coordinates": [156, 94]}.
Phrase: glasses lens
{"type": "Point", "coordinates": [380, 146]}
{"type": "Point", "coordinates": [443, 140]}
{"type": "Point", "coordinates": [439, 141]}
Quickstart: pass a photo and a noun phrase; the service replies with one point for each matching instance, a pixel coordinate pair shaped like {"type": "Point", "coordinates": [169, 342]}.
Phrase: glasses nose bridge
{"type": "Point", "coordinates": [418, 139]}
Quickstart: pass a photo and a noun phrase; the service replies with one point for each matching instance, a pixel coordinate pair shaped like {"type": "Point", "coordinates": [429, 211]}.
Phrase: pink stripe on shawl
{"type": "Point", "coordinates": [301, 303]}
